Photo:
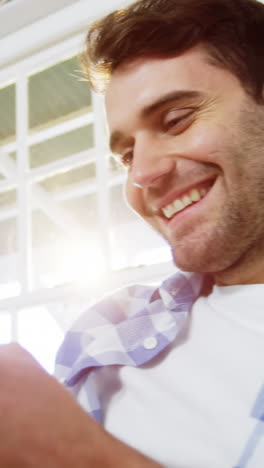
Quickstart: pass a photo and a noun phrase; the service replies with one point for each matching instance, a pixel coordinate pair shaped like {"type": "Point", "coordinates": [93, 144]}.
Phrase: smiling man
{"type": "Point", "coordinates": [175, 372]}
{"type": "Point", "coordinates": [173, 375]}
{"type": "Point", "coordinates": [192, 137]}
{"type": "Point", "coordinates": [179, 372]}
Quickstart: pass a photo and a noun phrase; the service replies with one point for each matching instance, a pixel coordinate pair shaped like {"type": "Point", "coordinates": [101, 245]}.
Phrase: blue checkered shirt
{"type": "Point", "coordinates": [130, 328]}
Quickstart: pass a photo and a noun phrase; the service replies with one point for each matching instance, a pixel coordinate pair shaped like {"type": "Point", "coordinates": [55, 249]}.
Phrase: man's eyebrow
{"type": "Point", "coordinates": [177, 96]}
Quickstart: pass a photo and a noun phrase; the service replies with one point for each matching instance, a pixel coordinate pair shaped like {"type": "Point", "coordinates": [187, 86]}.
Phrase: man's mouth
{"type": "Point", "coordinates": [189, 198]}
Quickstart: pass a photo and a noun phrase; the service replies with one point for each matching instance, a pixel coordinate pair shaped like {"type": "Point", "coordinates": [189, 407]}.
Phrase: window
{"type": "Point", "coordinates": [63, 218]}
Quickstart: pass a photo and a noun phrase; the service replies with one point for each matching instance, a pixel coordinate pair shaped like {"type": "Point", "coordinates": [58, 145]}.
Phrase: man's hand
{"type": "Point", "coordinates": [42, 426]}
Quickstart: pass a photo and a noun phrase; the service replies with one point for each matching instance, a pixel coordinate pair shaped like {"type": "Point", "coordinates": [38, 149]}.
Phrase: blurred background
{"type": "Point", "coordinates": [66, 235]}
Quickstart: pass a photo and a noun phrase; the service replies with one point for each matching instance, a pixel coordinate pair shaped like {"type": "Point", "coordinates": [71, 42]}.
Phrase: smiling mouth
{"type": "Point", "coordinates": [188, 199]}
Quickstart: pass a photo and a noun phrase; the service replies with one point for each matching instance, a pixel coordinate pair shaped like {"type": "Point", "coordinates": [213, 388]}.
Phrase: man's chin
{"type": "Point", "coordinates": [198, 262]}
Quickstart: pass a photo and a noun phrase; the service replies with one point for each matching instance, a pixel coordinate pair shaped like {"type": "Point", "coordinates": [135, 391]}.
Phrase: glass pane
{"type": "Point", "coordinates": [47, 235]}
{"type": "Point", "coordinates": [8, 245]}
{"type": "Point", "coordinates": [84, 211]}
{"type": "Point", "coordinates": [57, 94]}
{"type": "Point", "coordinates": [7, 198]}
{"type": "Point", "coordinates": [70, 178]}
{"type": "Point", "coordinates": [8, 234]}
{"type": "Point", "coordinates": [66, 246]}
{"type": "Point", "coordinates": [62, 146]}
{"type": "Point", "coordinates": [7, 114]}
{"type": "Point", "coordinates": [44, 230]}
{"type": "Point", "coordinates": [5, 328]}
{"type": "Point", "coordinates": [40, 334]}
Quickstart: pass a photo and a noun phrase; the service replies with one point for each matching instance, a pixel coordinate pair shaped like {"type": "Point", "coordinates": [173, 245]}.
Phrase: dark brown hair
{"type": "Point", "coordinates": [231, 30]}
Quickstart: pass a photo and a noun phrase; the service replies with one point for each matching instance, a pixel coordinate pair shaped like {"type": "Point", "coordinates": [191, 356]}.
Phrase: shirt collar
{"type": "Point", "coordinates": [130, 327]}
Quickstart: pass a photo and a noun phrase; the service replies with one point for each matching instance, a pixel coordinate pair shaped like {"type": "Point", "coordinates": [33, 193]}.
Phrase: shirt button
{"type": "Point", "coordinates": [150, 342]}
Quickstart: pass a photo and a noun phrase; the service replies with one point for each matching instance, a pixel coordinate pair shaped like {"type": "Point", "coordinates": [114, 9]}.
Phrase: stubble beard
{"type": "Point", "coordinates": [218, 248]}
{"type": "Point", "coordinates": [236, 240]}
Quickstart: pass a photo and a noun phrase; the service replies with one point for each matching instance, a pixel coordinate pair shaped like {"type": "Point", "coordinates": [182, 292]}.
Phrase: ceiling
{"type": "Point", "coordinates": [17, 14]}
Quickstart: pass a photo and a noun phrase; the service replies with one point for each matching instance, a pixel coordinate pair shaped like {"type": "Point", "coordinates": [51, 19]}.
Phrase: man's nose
{"type": "Point", "coordinates": [152, 162]}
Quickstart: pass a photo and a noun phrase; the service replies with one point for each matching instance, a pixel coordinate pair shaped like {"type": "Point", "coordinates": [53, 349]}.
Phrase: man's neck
{"type": "Point", "coordinates": [249, 270]}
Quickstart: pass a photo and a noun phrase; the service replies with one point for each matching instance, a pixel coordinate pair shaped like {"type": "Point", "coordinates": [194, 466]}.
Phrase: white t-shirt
{"type": "Point", "coordinates": [191, 407]}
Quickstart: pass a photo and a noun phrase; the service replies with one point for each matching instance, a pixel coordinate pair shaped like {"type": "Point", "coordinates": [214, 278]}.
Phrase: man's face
{"type": "Point", "coordinates": [193, 142]}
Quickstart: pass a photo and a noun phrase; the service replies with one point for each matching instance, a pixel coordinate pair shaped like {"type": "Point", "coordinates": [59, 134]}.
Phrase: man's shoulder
{"type": "Point", "coordinates": [121, 321]}
{"type": "Point", "coordinates": [124, 302]}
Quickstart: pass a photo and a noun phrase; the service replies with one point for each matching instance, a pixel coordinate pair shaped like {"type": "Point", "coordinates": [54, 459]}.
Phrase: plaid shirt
{"type": "Point", "coordinates": [129, 328]}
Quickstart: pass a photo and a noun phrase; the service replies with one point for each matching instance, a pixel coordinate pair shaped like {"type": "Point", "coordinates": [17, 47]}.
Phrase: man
{"type": "Point", "coordinates": [176, 372]}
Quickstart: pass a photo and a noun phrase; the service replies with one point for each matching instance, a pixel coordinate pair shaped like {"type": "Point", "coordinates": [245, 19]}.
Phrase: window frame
{"type": "Point", "coordinates": [21, 58]}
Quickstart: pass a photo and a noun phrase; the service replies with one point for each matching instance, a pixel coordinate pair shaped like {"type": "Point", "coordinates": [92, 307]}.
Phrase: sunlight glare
{"type": "Point", "coordinates": [82, 262]}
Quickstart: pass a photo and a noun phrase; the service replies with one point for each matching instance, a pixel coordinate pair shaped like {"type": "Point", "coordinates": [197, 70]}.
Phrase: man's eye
{"type": "Point", "coordinates": [172, 122]}
{"type": "Point", "coordinates": [178, 120]}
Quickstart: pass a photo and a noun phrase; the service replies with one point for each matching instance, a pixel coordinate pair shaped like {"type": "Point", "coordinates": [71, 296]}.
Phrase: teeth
{"type": "Point", "coordinates": [168, 211]}
{"type": "Point", "coordinates": [186, 201]}
{"type": "Point", "coordinates": [194, 195]}
{"type": "Point", "coordinates": [178, 205]}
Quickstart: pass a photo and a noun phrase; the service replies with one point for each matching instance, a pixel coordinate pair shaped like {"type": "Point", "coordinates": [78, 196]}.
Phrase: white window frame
{"type": "Point", "coordinates": [56, 38]}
